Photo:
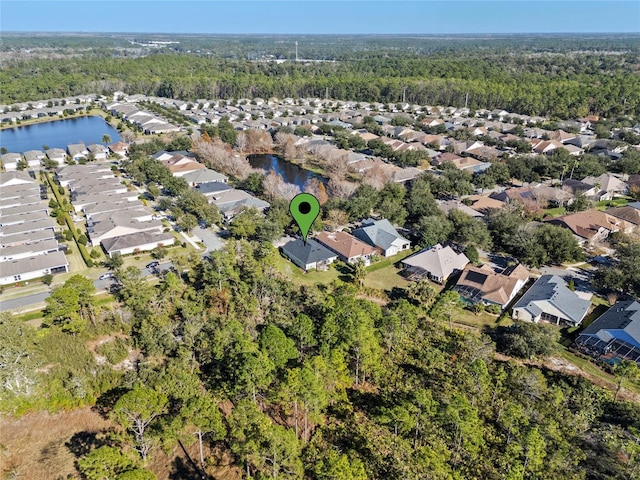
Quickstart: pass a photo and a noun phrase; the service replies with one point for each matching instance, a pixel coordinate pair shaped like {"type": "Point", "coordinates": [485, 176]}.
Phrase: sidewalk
{"type": "Point", "coordinates": [190, 240]}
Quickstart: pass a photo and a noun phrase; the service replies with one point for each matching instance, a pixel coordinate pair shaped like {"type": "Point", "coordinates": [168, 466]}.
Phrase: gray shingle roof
{"type": "Point", "coordinates": [378, 233]}
{"type": "Point", "coordinates": [551, 289]}
{"type": "Point", "coordinates": [620, 321]}
{"type": "Point", "coordinates": [312, 252]}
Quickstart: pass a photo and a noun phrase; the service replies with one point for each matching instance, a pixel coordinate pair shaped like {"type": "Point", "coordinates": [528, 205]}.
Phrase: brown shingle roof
{"type": "Point", "coordinates": [345, 244]}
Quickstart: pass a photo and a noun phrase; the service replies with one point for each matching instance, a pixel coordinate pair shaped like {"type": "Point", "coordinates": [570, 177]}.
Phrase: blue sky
{"type": "Point", "coordinates": [318, 17]}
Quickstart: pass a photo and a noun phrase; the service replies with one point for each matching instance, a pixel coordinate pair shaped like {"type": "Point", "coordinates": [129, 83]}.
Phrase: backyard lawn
{"type": "Point", "coordinates": [312, 277]}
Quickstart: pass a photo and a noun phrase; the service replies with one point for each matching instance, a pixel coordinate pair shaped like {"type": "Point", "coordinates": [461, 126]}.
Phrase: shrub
{"type": "Point", "coordinates": [114, 351]}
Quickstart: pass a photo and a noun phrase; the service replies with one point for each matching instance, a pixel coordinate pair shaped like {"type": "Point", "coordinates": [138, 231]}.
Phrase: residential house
{"type": "Point", "coordinates": [461, 163]}
{"type": "Point", "coordinates": [591, 226]}
{"type": "Point", "coordinates": [100, 152]}
{"type": "Point", "coordinates": [614, 335]}
{"type": "Point", "coordinates": [77, 151]}
{"type": "Point", "coordinates": [546, 146]}
{"type": "Point", "coordinates": [483, 204]}
{"type": "Point", "coordinates": [25, 250]}
{"type": "Point", "coordinates": [562, 136]}
{"type": "Point", "coordinates": [447, 205]}
{"type": "Point", "coordinates": [180, 164]}
{"type": "Point", "coordinates": [484, 285]}
{"type": "Point", "coordinates": [10, 179]}
{"type": "Point", "coordinates": [609, 186]}
{"type": "Point", "coordinates": [120, 149]}
{"type": "Point", "coordinates": [309, 256]}
{"type": "Point", "coordinates": [33, 267]}
{"type": "Point", "coordinates": [10, 161]}
{"type": "Point", "coordinates": [231, 202]}
{"type": "Point", "coordinates": [20, 238]}
{"type": "Point", "coordinates": [34, 158]}
{"type": "Point", "coordinates": [437, 263]}
{"type": "Point", "coordinates": [206, 175]}
{"type": "Point", "coordinates": [56, 155]}
{"type": "Point", "coordinates": [115, 224]}
{"type": "Point", "coordinates": [627, 213]}
{"type": "Point", "coordinates": [550, 300]}
{"type": "Point", "coordinates": [381, 234]}
{"type": "Point", "coordinates": [136, 242]}
{"type": "Point", "coordinates": [348, 248]}
{"type": "Point", "coordinates": [27, 227]}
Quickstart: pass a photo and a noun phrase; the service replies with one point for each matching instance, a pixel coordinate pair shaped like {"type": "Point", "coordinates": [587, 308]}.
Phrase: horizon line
{"type": "Point", "coordinates": [501, 34]}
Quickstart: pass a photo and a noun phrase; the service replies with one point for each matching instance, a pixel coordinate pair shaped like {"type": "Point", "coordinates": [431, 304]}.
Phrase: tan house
{"type": "Point", "coordinates": [592, 226]}
{"type": "Point", "coordinates": [436, 263]}
{"type": "Point", "coordinates": [348, 247]}
{"type": "Point", "coordinates": [483, 285]}
{"type": "Point", "coordinates": [180, 165]}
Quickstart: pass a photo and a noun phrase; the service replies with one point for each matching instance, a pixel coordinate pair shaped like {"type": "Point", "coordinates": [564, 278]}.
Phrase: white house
{"type": "Point", "coordinates": [33, 267]}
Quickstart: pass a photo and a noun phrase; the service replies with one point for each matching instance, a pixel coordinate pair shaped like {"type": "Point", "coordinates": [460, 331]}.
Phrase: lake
{"type": "Point", "coordinates": [57, 134]}
{"type": "Point", "coordinates": [290, 172]}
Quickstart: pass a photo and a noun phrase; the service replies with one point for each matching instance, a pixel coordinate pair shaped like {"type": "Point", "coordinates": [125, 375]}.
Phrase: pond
{"type": "Point", "coordinates": [290, 172]}
{"type": "Point", "coordinates": [57, 134]}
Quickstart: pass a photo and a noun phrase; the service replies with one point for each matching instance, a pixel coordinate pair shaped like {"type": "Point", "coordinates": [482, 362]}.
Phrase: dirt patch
{"type": "Point", "coordinates": [41, 446]}
{"type": "Point", "coordinates": [561, 365]}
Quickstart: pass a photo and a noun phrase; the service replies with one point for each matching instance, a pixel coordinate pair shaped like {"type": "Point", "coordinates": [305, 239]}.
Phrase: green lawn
{"type": "Point", "coordinates": [466, 317]}
{"type": "Point", "coordinates": [555, 212]}
{"type": "Point", "coordinates": [616, 202]}
{"type": "Point", "coordinates": [385, 278]}
{"type": "Point", "coordinates": [592, 369]}
{"type": "Point", "coordinates": [296, 274]}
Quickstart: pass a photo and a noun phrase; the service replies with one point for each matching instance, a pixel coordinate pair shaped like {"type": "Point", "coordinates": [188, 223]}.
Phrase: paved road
{"type": "Point", "coordinates": [21, 303]}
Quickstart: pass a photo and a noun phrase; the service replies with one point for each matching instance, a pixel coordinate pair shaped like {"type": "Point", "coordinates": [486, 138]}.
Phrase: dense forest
{"type": "Point", "coordinates": [602, 78]}
{"type": "Point", "coordinates": [301, 381]}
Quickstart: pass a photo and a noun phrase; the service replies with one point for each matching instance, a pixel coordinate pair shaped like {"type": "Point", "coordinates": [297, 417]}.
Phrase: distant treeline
{"type": "Point", "coordinates": [559, 86]}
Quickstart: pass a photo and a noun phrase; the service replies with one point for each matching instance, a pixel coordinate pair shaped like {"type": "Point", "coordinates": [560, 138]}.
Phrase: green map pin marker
{"type": "Point", "coordinates": [304, 209]}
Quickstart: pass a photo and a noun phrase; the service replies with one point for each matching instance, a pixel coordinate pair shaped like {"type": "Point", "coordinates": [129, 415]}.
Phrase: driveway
{"type": "Point", "coordinates": [209, 237]}
{"type": "Point", "coordinates": [580, 277]}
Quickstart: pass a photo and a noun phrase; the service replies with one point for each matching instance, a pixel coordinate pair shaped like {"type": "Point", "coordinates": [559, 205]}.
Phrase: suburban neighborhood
{"type": "Point", "coordinates": [114, 213]}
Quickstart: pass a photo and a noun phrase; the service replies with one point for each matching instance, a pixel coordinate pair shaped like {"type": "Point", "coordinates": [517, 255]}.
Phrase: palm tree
{"type": "Point", "coordinates": [106, 138]}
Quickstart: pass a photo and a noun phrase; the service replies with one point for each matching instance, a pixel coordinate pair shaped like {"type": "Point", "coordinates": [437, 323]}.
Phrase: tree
{"type": "Point", "coordinates": [17, 361]}
{"type": "Point", "coordinates": [359, 272]}
{"type": "Point", "coordinates": [334, 465]}
{"type": "Point", "coordinates": [106, 138]}
{"type": "Point", "coordinates": [433, 229]}
{"type": "Point", "coordinates": [421, 292]}
{"type": "Point", "coordinates": [47, 279]}
{"type": "Point", "coordinates": [527, 340]}
{"type": "Point", "coordinates": [245, 224]}
{"type": "Point", "coordinates": [135, 411]}
{"type": "Point", "coordinates": [263, 446]}
{"type": "Point", "coordinates": [277, 346]}
{"type": "Point", "coordinates": [105, 463]}
{"type": "Point", "coordinates": [188, 222]}
{"type": "Point", "coordinates": [625, 370]}
{"type": "Point", "coordinates": [445, 305]}
{"type": "Point", "coordinates": [203, 414]}
{"type": "Point", "coordinates": [70, 305]}
{"type": "Point", "coordinates": [114, 262]}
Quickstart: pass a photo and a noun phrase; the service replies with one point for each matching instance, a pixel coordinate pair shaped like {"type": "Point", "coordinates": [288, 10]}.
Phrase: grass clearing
{"type": "Point", "coordinates": [590, 368]}
{"type": "Point", "coordinates": [385, 278]}
{"type": "Point", "coordinates": [555, 212]}
{"type": "Point", "coordinates": [466, 317]}
{"type": "Point", "coordinates": [312, 277]}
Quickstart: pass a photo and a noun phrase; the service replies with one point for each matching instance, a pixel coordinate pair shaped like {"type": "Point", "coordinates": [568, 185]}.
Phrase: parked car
{"type": "Point", "coordinates": [153, 264]}
{"type": "Point", "coordinates": [106, 276]}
